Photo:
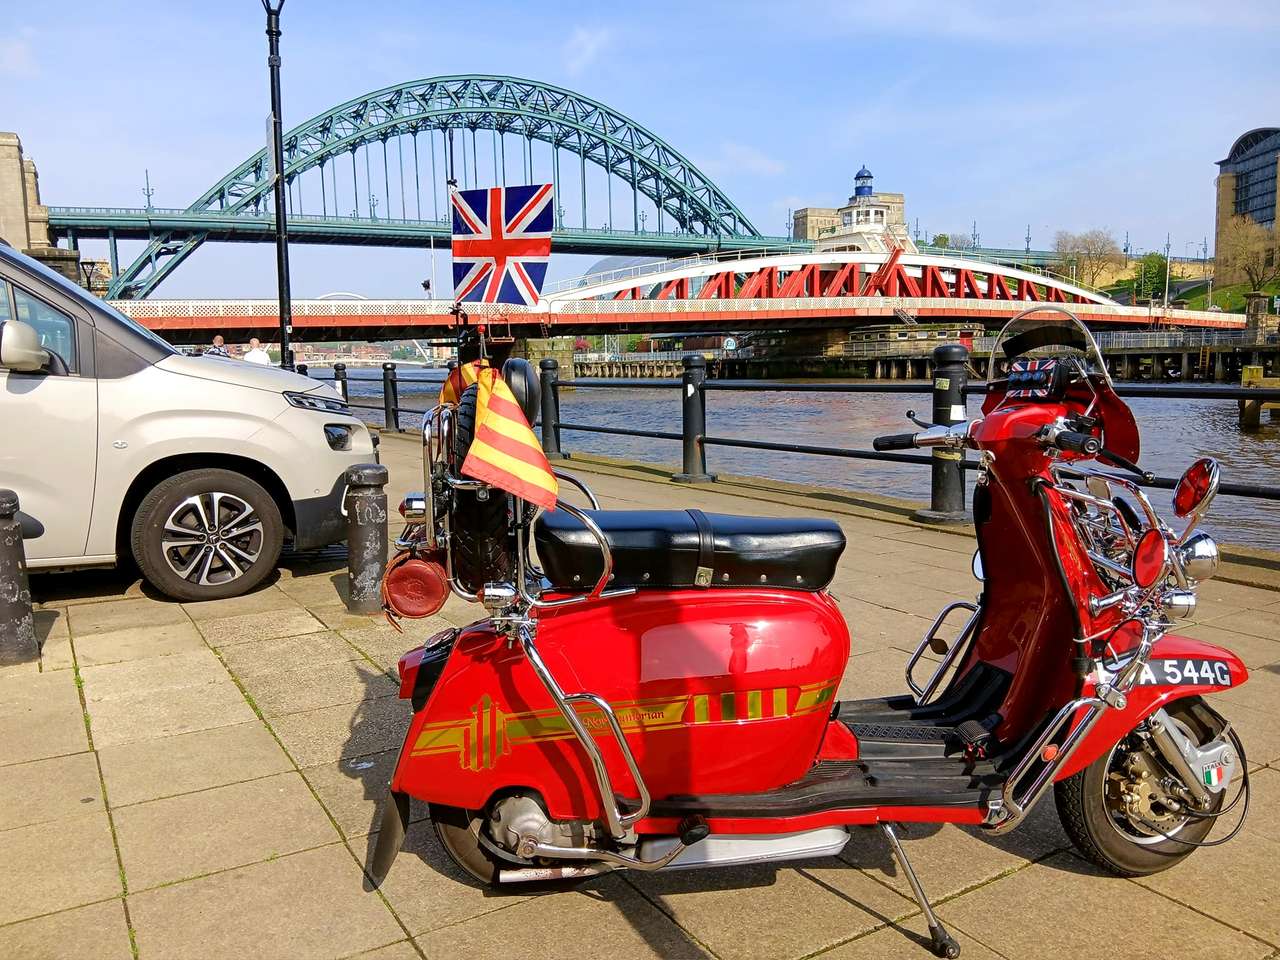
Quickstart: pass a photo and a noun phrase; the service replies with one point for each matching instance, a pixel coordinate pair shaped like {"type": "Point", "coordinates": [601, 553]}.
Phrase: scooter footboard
{"type": "Point", "coordinates": [1178, 667]}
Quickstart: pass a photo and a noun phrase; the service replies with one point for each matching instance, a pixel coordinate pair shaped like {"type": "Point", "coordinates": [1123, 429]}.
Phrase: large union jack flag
{"type": "Point", "coordinates": [501, 243]}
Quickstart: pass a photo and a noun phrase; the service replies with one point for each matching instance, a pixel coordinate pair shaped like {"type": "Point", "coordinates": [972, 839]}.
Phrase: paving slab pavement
{"type": "Point", "coordinates": [205, 780]}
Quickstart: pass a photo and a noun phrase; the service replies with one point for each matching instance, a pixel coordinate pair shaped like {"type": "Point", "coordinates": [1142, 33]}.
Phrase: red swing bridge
{"type": "Point", "coordinates": [739, 291]}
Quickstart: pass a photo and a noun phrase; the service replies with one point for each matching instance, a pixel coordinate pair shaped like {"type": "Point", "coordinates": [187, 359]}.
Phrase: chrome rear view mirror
{"type": "Point", "coordinates": [1194, 492]}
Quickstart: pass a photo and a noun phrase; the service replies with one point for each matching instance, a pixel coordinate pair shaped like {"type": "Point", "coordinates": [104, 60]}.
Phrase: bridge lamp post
{"type": "Point", "coordinates": [273, 8]}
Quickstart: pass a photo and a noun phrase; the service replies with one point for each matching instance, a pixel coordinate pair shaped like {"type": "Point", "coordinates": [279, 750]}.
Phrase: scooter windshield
{"type": "Point", "coordinates": [1049, 332]}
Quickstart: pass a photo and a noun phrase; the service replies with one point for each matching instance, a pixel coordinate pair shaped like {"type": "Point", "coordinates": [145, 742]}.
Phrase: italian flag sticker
{"type": "Point", "coordinates": [1213, 775]}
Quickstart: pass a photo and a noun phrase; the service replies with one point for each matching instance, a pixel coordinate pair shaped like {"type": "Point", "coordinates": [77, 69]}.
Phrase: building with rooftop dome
{"type": "Point", "coordinates": [870, 221]}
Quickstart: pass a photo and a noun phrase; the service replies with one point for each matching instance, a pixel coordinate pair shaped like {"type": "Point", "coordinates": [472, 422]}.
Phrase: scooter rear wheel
{"type": "Point", "coordinates": [1098, 826]}
{"type": "Point", "coordinates": [458, 831]}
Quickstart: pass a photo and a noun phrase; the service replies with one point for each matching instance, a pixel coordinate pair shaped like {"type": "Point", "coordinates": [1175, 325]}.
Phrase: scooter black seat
{"type": "Point", "coordinates": [667, 549]}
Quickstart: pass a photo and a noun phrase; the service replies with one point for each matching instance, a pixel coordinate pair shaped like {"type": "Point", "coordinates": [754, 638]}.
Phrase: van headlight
{"type": "Point", "coordinates": [311, 401]}
{"type": "Point", "coordinates": [338, 436]}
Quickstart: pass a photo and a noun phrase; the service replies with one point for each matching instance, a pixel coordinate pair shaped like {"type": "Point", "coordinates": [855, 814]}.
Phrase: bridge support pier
{"type": "Point", "coordinates": [1220, 366]}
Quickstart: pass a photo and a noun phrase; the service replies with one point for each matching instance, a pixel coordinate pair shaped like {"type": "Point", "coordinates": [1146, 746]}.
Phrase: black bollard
{"type": "Point", "coordinates": [302, 369]}
{"type": "Point", "coordinates": [340, 380]}
{"type": "Point", "coordinates": [950, 374]}
{"type": "Point", "coordinates": [549, 374]}
{"type": "Point", "coordinates": [390, 398]}
{"type": "Point", "coordinates": [366, 536]}
{"type": "Point", "coordinates": [695, 422]}
{"type": "Point", "coordinates": [18, 642]}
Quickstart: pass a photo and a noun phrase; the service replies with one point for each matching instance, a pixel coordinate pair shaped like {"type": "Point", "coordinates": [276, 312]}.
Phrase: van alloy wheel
{"type": "Point", "coordinates": [206, 534]}
{"type": "Point", "coordinates": [212, 538]}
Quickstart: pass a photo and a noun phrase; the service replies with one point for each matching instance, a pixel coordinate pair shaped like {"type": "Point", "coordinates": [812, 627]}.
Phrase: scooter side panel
{"type": "Point", "coordinates": [718, 691]}
{"type": "Point", "coordinates": [1179, 667]}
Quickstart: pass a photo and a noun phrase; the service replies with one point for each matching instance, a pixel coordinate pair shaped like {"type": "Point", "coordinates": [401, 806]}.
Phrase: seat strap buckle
{"type": "Point", "coordinates": [705, 571]}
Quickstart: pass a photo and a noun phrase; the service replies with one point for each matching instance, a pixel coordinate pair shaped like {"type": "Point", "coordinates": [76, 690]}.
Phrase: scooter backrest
{"type": "Point", "coordinates": [522, 378]}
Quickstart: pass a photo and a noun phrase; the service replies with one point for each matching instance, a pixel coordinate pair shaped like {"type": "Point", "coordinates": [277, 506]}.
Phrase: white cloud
{"type": "Point", "coordinates": [584, 46]}
{"type": "Point", "coordinates": [17, 57]}
{"type": "Point", "coordinates": [734, 157]}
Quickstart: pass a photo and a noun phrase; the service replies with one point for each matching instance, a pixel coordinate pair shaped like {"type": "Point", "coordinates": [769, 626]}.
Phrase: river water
{"type": "Point", "coordinates": [1174, 433]}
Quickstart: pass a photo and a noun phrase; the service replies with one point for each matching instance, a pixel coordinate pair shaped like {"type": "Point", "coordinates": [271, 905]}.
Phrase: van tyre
{"type": "Point", "coordinates": [481, 535]}
{"type": "Point", "coordinates": [1088, 815]}
{"type": "Point", "coordinates": [206, 534]}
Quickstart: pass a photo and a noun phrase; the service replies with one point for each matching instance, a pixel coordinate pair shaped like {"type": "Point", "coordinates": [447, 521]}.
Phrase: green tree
{"type": "Point", "coordinates": [1149, 279]}
{"type": "Point", "coordinates": [940, 240]}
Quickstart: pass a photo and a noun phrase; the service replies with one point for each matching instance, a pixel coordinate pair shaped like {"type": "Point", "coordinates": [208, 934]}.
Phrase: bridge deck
{"type": "Point", "coordinates": [244, 746]}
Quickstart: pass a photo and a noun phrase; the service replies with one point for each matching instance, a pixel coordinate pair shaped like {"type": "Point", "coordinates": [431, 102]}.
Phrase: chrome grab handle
{"type": "Point", "coordinates": [617, 821]}
{"type": "Point", "coordinates": [962, 641]}
{"type": "Point", "coordinates": [598, 592]}
{"type": "Point", "coordinates": [574, 481]}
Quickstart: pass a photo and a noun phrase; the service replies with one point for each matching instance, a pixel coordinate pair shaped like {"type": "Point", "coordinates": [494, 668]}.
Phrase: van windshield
{"type": "Point", "coordinates": [83, 296]}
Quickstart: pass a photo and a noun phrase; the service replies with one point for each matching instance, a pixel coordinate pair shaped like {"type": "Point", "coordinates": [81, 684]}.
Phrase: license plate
{"type": "Point", "coordinates": [1185, 672]}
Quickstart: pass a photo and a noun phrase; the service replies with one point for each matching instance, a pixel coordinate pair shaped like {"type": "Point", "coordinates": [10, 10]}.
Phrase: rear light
{"type": "Point", "coordinates": [408, 666]}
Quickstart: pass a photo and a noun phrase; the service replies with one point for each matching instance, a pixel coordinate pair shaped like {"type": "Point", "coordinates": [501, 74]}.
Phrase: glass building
{"type": "Point", "coordinates": [1253, 166]}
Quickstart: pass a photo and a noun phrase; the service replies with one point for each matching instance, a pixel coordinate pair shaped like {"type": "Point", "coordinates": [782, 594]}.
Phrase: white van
{"type": "Point", "coordinates": [119, 446]}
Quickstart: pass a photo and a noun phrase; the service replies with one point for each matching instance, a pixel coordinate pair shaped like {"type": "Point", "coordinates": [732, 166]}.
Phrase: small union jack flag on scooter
{"type": "Point", "coordinates": [501, 243]}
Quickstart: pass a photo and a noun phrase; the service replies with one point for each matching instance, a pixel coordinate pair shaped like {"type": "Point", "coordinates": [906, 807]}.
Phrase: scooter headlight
{"type": "Point", "coordinates": [1199, 557]}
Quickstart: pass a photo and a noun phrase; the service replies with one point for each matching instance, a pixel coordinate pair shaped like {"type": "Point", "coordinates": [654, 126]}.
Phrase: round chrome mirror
{"type": "Point", "coordinates": [978, 573]}
{"type": "Point", "coordinates": [1150, 559]}
{"type": "Point", "coordinates": [1196, 489]}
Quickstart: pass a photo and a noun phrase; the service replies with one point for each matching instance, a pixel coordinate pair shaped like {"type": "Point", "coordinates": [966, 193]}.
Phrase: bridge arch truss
{"type": "Point", "coordinates": [452, 111]}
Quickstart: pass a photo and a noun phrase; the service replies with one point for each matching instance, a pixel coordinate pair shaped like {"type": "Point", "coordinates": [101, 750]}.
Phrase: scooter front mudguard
{"type": "Point", "coordinates": [1179, 667]}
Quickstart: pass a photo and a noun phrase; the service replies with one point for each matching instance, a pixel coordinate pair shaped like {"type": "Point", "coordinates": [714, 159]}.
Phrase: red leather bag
{"type": "Point", "coordinates": [414, 586]}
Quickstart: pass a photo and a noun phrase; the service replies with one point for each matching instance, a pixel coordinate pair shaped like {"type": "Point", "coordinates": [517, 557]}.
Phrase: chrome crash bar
{"type": "Point", "coordinates": [1039, 766]}
{"type": "Point", "coordinates": [618, 821]}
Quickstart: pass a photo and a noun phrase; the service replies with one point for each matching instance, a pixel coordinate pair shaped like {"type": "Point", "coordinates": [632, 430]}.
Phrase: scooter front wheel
{"type": "Point", "coordinates": [1112, 809]}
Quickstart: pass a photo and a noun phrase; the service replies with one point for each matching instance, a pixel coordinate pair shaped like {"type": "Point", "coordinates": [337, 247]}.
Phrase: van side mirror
{"type": "Point", "coordinates": [20, 348]}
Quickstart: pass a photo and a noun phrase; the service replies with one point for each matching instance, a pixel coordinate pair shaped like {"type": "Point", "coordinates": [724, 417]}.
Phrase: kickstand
{"type": "Point", "coordinates": [944, 945]}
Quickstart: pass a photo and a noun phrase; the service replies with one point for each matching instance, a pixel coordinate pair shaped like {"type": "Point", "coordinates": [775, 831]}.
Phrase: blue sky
{"type": "Point", "coordinates": [1057, 116]}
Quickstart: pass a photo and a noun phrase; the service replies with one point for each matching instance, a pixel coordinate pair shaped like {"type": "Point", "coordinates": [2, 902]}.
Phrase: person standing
{"type": "Point", "coordinates": [218, 349]}
{"type": "Point", "coordinates": [255, 353]}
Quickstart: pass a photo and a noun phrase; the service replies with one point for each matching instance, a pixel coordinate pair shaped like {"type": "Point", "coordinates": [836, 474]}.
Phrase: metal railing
{"type": "Point", "coordinates": [390, 382]}
{"type": "Point", "coordinates": [638, 271]}
{"type": "Point", "coordinates": [947, 489]}
{"type": "Point", "coordinates": [658, 355]}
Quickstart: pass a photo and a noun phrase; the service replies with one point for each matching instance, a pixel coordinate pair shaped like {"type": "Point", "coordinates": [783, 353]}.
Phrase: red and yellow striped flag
{"type": "Point", "coordinates": [504, 451]}
{"type": "Point", "coordinates": [461, 377]}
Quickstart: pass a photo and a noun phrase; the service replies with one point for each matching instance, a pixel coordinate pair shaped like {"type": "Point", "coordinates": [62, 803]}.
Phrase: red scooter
{"type": "Point", "coordinates": [659, 693]}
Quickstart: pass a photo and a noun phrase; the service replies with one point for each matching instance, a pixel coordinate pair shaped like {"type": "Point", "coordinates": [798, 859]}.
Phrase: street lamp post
{"type": "Point", "coordinates": [1168, 242]}
{"type": "Point", "coordinates": [273, 8]}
